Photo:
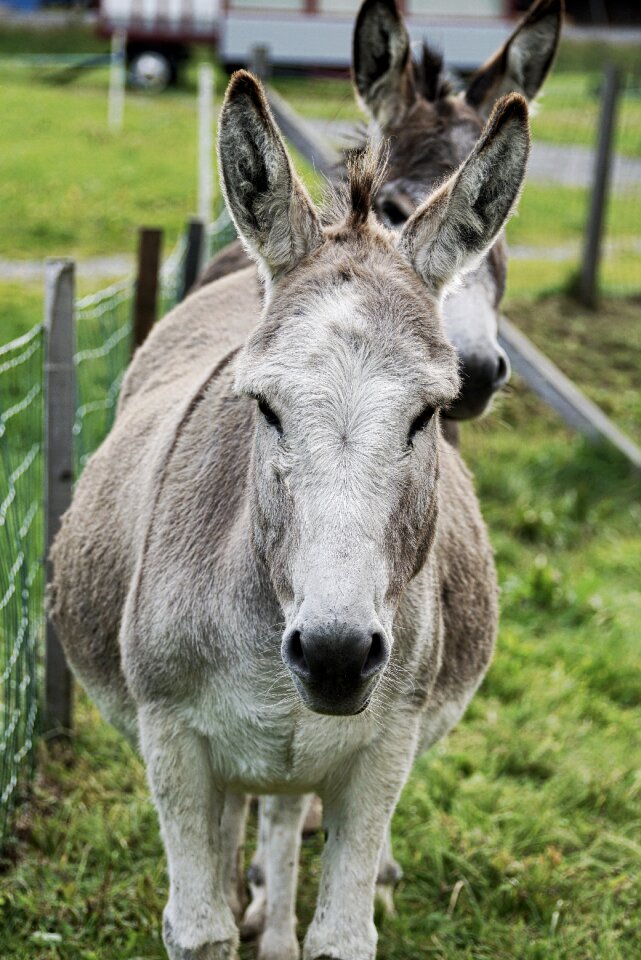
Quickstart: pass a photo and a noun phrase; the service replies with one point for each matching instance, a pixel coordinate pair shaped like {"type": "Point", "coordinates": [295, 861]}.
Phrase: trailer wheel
{"type": "Point", "coordinates": [152, 70]}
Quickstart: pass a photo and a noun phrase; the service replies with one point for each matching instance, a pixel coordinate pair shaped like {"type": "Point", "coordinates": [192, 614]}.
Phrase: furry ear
{"type": "Point", "coordinates": [456, 225]}
{"type": "Point", "coordinates": [524, 61]}
{"type": "Point", "coordinates": [271, 208]}
{"type": "Point", "coordinates": [381, 62]}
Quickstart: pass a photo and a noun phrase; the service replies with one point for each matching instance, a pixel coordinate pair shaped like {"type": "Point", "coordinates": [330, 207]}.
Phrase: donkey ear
{"type": "Point", "coordinates": [381, 64]}
{"type": "Point", "coordinates": [273, 212]}
{"type": "Point", "coordinates": [524, 61]}
{"type": "Point", "coordinates": [456, 225]}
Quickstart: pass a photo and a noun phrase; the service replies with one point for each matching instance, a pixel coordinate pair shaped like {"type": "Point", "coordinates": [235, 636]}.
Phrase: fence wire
{"type": "Point", "coordinates": [221, 232]}
{"type": "Point", "coordinates": [547, 239]}
{"type": "Point", "coordinates": [21, 554]}
{"type": "Point", "coordinates": [102, 352]}
{"type": "Point", "coordinates": [103, 349]}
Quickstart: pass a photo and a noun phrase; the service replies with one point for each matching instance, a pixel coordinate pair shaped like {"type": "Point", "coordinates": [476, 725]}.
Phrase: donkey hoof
{"type": "Point", "coordinates": [276, 945]}
{"type": "Point", "coordinates": [385, 899]}
{"type": "Point", "coordinates": [253, 922]}
{"type": "Point", "coordinates": [389, 874]}
{"type": "Point", "coordinates": [219, 950]}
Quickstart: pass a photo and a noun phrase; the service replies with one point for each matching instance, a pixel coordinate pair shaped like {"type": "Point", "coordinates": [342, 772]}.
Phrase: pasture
{"type": "Point", "coordinates": [519, 835]}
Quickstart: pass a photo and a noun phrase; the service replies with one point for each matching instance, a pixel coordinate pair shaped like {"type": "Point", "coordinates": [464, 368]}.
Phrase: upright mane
{"type": "Point", "coordinates": [351, 199]}
{"type": "Point", "coordinates": [430, 77]}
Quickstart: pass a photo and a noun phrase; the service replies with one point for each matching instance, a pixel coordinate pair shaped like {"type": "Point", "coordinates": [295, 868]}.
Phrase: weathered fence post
{"type": "Point", "coordinates": [259, 61]}
{"type": "Point", "coordinates": [205, 141]}
{"type": "Point", "coordinates": [117, 80]}
{"type": "Point", "coordinates": [146, 301]}
{"type": "Point", "coordinates": [194, 254]}
{"type": "Point", "coordinates": [60, 405]}
{"type": "Point", "coordinates": [588, 279]}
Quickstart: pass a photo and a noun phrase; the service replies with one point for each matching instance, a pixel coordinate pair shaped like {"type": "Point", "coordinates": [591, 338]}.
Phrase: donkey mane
{"type": "Point", "coordinates": [350, 200]}
{"type": "Point", "coordinates": [430, 78]}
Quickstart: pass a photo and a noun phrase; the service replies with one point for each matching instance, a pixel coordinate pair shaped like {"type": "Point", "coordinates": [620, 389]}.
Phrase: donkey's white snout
{"type": "Point", "coordinates": [335, 665]}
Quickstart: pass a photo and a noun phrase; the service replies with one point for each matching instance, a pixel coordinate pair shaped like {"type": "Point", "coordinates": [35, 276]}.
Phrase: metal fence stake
{"type": "Point", "coordinates": [60, 404]}
{"type": "Point", "coordinates": [588, 280]}
{"type": "Point", "coordinates": [193, 256]}
{"type": "Point", "coordinates": [146, 298]}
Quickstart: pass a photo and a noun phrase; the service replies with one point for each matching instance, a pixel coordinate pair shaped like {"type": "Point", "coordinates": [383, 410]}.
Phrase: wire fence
{"type": "Point", "coordinates": [21, 555]}
{"type": "Point", "coordinates": [103, 331]}
{"type": "Point", "coordinates": [547, 239]}
{"type": "Point", "coordinates": [103, 349]}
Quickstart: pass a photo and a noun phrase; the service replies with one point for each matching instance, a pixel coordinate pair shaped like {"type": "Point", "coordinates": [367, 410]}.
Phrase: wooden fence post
{"type": "Point", "coordinates": [259, 61]}
{"type": "Point", "coordinates": [205, 141]}
{"type": "Point", "coordinates": [587, 289]}
{"type": "Point", "coordinates": [146, 302]}
{"type": "Point", "coordinates": [193, 256]}
{"type": "Point", "coordinates": [60, 406]}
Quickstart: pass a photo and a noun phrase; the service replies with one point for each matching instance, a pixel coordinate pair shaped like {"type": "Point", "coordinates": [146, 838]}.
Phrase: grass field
{"type": "Point", "coordinates": [519, 836]}
{"type": "Point", "coordinates": [69, 186]}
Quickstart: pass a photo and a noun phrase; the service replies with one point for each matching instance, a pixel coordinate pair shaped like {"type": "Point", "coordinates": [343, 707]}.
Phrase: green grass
{"type": "Point", "coordinates": [519, 836]}
{"type": "Point", "coordinates": [68, 185]}
{"type": "Point", "coordinates": [569, 110]}
{"type": "Point", "coordinates": [73, 37]}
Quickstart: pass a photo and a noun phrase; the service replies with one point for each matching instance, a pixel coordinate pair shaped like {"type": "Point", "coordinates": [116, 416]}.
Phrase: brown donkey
{"type": "Point", "coordinates": [429, 130]}
{"type": "Point", "coordinates": [249, 581]}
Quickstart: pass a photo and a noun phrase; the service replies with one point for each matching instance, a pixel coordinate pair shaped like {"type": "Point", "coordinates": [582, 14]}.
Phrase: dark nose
{"type": "Point", "coordinates": [487, 376]}
{"type": "Point", "coordinates": [502, 371]}
{"type": "Point", "coordinates": [334, 658]}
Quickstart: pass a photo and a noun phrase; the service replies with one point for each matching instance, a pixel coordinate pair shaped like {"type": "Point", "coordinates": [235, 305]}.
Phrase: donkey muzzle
{"type": "Point", "coordinates": [335, 665]}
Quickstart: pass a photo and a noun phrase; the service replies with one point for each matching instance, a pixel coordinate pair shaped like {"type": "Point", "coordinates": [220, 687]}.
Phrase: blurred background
{"type": "Point", "coordinates": [520, 836]}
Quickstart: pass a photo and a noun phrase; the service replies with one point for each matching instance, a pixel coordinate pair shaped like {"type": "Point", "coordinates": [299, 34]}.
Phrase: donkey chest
{"type": "Point", "coordinates": [264, 745]}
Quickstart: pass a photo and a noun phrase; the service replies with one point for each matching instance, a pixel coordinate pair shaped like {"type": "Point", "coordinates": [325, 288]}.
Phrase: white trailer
{"type": "Point", "coordinates": [159, 34]}
{"type": "Point", "coordinates": [307, 34]}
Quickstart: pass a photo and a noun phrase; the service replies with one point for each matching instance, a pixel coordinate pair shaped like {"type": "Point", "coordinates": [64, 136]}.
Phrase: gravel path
{"type": "Point", "coordinates": [568, 166]}
{"type": "Point", "coordinates": [92, 268]}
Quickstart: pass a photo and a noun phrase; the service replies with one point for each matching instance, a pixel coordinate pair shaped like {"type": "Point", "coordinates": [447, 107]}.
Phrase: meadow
{"type": "Point", "coordinates": [519, 835]}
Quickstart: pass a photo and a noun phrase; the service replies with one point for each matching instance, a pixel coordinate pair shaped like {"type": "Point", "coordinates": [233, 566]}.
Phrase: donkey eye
{"type": "Point", "coordinates": [269, 415]}
{"type": "Point", "coordinates": [394, 215]}
{"type": "Point", "coordinates": [420, 423]}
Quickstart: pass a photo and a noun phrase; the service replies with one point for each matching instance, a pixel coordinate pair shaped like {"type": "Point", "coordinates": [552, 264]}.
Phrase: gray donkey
{"type": "Point", "coordinates": [251, 579]}
{"type": "Point", "coordinates": [429, 131]}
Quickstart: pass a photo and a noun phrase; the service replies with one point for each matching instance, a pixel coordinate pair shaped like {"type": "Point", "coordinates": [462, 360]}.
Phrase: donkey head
{"type": "Point", "coordinates": [430, 132]}
{"type": "Point", "coordinates": [348, 370]}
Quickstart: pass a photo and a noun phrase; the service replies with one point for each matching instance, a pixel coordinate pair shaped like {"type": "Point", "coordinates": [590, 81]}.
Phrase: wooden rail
{"type": "Point", "coordinates": [545, 378]}
{"type": "Point", "coordinates": [60, 411]}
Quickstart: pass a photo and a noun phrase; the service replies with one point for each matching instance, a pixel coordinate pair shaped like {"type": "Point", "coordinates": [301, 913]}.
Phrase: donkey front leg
{"type": "Point", "coordinates": [197, 922]}
{"type": "Point", "coordinates": [358, 809]}
{"type": "Point", "coordinates": [233, 827]}
{"type": "Point", "coordinates": [283, 818]}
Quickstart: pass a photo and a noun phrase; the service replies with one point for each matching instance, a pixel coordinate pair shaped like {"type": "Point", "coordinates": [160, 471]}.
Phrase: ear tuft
{"type": "Point", "coordinates": [244, 84]}
{"type": "Point", "coordinates": [511, 108]}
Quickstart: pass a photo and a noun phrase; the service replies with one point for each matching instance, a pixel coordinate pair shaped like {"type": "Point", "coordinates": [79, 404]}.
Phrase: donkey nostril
{"type": "Point", "coordinates": [296, 654]}
{"type": "Point", "coordinates": [376, 657]}
{"type": "Point", "coordinates": [502, 371]}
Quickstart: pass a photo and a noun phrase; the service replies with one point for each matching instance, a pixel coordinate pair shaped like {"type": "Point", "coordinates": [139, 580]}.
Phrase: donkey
{"type": "Point", "coordinates": [430, 131]}
{"type": "Point", "coordinates": [249, 580]}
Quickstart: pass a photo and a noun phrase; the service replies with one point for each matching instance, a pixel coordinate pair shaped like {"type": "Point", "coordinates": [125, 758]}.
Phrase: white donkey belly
{"type": "Point", "coordinates": [265, 747]}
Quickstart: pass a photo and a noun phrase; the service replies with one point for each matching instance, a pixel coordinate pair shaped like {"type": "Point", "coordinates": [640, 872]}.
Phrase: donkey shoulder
{"type": "Point", "coordinates": [195, 335]}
